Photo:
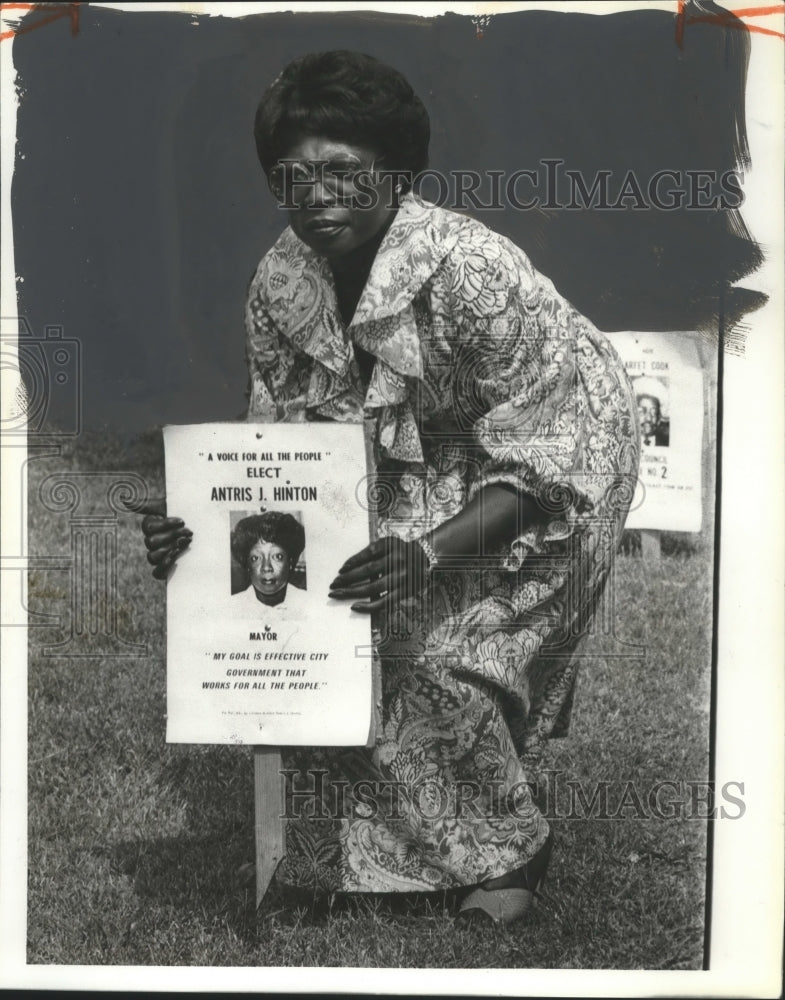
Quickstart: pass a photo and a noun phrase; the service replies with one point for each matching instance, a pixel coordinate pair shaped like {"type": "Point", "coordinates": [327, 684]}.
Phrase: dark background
{"type": "Point", "coordinates": [140, 210]}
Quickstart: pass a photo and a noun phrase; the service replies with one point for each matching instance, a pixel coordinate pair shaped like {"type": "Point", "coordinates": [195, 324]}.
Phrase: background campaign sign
{"type": "Point", "coordinates": [256, 651]}
{"type": "Point", "coordinates": [667, 380]}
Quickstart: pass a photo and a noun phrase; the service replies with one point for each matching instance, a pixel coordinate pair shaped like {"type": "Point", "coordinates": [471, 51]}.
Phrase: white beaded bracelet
{"type": "Point", "coordinates": [430, 552]}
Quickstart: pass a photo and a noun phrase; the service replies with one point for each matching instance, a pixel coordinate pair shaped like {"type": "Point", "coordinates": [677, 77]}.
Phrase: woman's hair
{"type": "Point", "coordinates": [344, 96]}
{"type": "Point", "coordinates": [274, 526]}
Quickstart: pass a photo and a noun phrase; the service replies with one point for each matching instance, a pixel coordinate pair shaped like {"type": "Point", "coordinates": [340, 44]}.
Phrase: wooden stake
{"type": "Point", "coordinates": [650, 545]}
{"type": "Point", "coordinates": [268, 811]}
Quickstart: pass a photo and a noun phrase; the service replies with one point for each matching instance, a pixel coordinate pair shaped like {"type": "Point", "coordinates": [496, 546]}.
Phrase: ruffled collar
{"type": "Point", "coordinates": [301, 299]}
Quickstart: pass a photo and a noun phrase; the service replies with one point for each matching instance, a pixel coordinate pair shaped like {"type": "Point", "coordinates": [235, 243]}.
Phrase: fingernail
{"type": "Point", "coordinates": [188, 532]}
{"type": "Point", "coordinates": [179, 521]}
{"type": "Point", "coordinates": [334, 584]}
{"type": "Point", "coordinates": [182, 542]}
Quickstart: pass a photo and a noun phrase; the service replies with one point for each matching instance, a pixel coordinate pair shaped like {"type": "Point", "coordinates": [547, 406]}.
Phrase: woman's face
{"type": "Point", "coordinates": [269, 567]}
{"type": "Point", "coordinates": [334, 217]}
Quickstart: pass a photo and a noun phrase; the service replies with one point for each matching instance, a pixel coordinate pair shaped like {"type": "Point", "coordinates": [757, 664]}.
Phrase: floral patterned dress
{"type": "Point", "coordinates": [483, 374]}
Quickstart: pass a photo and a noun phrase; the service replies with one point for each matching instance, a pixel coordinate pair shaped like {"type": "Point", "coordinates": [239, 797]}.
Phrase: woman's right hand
{"type": "Point", "coordinates": [164, 537]}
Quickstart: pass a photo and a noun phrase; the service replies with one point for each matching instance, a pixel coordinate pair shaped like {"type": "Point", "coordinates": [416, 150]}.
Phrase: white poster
{"type": "Point", "coordinates": [256, 650]}
{"type": "Point", "coordinates": [667, 380]}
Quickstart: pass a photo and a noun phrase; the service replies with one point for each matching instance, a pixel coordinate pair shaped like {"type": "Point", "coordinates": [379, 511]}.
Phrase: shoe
{"type": "Point", "coordinates": [508, 898]}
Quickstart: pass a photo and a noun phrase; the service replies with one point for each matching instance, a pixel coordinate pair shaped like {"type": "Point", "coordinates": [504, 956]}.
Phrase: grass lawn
{"type": "Point", "coordinates": [137, 849]}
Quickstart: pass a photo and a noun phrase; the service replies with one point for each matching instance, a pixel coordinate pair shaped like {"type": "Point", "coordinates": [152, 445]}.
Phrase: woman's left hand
{"type": "Point", "coordinates": [387, 571]}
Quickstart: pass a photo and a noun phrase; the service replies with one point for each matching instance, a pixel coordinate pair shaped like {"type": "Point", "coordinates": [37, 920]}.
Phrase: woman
{"type": "Point", "coordinates": [268, 546]}
{"type": "Point", "coordinates": [506, 443]}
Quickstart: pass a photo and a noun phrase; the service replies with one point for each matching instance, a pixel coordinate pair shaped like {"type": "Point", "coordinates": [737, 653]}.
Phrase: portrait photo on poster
{"type": "Point", "coordinates": [268, 557]}
{"type": "Point", "coordinates": [392, 496]}
{"type": "Point", "coordinates": [651, 396]}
